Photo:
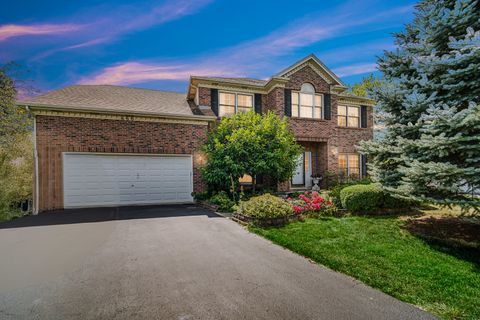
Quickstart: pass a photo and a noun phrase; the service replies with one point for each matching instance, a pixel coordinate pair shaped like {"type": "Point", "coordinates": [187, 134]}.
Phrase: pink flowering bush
{"type": "Point", "coordinates": [311, 203]}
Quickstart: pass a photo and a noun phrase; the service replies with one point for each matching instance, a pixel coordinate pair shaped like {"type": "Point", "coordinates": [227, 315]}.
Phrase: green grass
{"type": "Point", "coordinates": [442, 280]}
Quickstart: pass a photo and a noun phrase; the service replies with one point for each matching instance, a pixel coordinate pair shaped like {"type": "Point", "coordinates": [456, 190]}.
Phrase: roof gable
{"type": "Point", "coordinates": [317, 65]}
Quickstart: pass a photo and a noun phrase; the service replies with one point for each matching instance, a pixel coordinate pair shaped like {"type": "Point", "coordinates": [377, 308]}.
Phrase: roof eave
{"type": "Point", "coordinates": [39, 106]}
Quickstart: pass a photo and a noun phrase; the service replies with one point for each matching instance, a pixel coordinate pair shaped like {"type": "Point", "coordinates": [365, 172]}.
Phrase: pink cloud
{"type": "Point", "coordinates": [137, 72]}
{"type": "Point", "coordinates": [15, 30]}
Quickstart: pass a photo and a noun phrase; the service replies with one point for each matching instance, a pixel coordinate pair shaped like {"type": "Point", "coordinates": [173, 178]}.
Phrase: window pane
{"type": "Point", "coordinates": [225, 110]}
{"type": "Point", "coordinates": [342, 162]}
{"type": "Point", "coordinates": [353, 111]}
{"type": "Point", "coordinates": [306, 112]}
{"type": "Point", "coordinates": [318, 100]}
{"type": "Point", "coordinates": [306, 99]}
{"type": "Point", "coordinates": [244, 109]}
{"type": "Point", "coordinates": [353, 122]}
{"type": "Point", "coordinates": [307, 87]}
{"type": "Point", "coordinates": [353, 161]}
{"type": "Point", "coordinates": [245, 100]}
{"type": "Point", "coordinates": [318, 113]}
{"type": "Point", "coordinates": [342, 121]}
{"type": "Point", "coordinates": [294, 110]}
{"type": "Point", "coordinates": [294, 97]}
{"type": "Point", "coordinates": [227, 98]}
{"type": "Point", "coordinates": [342, 110]}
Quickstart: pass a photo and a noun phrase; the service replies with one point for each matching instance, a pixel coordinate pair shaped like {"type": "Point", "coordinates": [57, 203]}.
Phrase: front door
{"type": "Point", "coordinates": [299, 174]}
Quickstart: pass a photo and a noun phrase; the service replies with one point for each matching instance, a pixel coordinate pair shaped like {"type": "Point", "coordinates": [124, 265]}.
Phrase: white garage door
{"type": "Point", "coordinates": [91, 180]}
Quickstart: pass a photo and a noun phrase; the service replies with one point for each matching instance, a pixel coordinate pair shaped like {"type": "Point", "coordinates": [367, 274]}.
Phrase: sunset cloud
{"type": "Point", "coordinates": [15, 30]}
{"type": "Point", "coordinates": [249, 56]}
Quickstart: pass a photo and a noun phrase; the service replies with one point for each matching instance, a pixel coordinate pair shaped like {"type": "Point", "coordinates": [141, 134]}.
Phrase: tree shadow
{"type": "Point", "coordinates": [455, 236]}
{"type": "Point", "coordinates": [88, 215]}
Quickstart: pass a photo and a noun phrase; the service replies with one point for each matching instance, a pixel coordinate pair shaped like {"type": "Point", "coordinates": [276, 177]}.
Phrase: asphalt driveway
{"type": "Point", "coordinates": [170, 262]}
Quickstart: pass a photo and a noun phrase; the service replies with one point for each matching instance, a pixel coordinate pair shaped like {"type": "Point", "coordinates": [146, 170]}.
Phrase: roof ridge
{"type": "Point", "coordinates": [117, 86]}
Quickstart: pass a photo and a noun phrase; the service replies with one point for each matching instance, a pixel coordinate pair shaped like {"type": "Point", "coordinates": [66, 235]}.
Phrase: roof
{"type": "Point", "coordinates": [114, 99]}
{"type": "Point", "coordinates": [319, 63]}
{"type": "Point", "coordinates": [245, 81]}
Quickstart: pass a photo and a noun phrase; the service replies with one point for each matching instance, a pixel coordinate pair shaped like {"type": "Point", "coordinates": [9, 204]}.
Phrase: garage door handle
{"type": "Point", "coordinates": [133, 185]}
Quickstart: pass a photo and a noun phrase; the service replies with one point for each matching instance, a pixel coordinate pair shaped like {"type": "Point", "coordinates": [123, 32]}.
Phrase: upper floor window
{"type": "Point", "coordinates": [231, 103]}
{"type": "Point", "coordinates": [349, 116]}
{"type": "Point", "coordinates": [306, 103]}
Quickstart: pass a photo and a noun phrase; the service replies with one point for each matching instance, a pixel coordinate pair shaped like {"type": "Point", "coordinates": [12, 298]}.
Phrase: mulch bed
{"type": "Point", "coordinates": [450, 229]}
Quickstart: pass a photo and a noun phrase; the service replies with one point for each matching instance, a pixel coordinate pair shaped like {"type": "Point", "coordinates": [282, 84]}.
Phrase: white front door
{"type": "Point", "coordinates": [299, 174]}
{"type": "Point", "coordinates": [93, 180]}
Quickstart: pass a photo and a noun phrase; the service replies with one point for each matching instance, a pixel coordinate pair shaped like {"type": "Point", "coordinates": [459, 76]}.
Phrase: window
{"type": "Point", "coordinates": [231, 103]}
{"type": "Point", "coordinates": [349, 116]}
{"type": "Point", "coordinates": [349, 164]}
{"type": "Point", "coordinates": [246, 179]}
{"type": "Point", "coordinates": [307, 104]}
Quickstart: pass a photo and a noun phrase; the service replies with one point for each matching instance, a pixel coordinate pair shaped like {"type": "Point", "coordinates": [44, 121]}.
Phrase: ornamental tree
{"type": "Point", "coordinates": [430, 102]}
{"type": "Point", "coordinates": [249, 144]}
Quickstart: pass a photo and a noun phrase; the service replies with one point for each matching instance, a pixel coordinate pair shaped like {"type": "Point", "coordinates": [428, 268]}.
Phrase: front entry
{"type": "Point", "coordinates": [303, 171]}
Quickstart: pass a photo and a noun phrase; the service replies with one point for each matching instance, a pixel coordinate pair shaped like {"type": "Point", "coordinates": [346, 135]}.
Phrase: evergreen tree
{"type": "Point", "coordinates": [430, 100]}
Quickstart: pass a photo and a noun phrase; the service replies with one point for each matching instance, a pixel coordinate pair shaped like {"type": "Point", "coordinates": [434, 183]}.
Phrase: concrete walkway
{"type": "Point", "coordinates": [171, 262]}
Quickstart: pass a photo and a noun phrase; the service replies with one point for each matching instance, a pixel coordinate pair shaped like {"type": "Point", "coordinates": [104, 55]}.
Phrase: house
{"type": "Point", "coordinates": [99, 145]}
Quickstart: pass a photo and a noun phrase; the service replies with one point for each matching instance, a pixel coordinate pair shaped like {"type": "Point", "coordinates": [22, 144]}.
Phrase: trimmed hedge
{"type": "Point", "coordinates": [369, 198]}
{"type": "Point", "coordinates": [265, 206]}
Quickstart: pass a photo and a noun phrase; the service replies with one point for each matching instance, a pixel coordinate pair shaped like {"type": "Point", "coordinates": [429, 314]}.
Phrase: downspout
{"type": "Point", "coordinates": [35, 157]}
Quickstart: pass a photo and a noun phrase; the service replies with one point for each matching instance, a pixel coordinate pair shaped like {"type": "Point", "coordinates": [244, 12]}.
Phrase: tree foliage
{"type": "Point", "coordinates": [430, 99]}
{"type": "Point", "coordinates": [366, 86]}
{"type": "Point", "coordinates": [249, 144]}
{"type": "Point", "coordinates": [16, 148]}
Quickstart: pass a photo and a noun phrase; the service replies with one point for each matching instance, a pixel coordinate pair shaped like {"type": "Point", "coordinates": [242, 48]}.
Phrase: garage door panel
{"type": "Point", "coordinates": [103, 180]}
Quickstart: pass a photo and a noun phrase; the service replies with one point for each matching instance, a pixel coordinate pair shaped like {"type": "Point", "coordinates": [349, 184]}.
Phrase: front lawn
{"type": "Point", "coordinates": [442, 279]}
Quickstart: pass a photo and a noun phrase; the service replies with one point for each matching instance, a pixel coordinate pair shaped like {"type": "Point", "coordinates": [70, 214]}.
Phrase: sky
{"type": "Point", "coordinates": [159, 44]}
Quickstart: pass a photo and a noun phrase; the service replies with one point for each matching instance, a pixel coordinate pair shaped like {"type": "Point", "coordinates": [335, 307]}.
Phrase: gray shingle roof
{"type": "Point", "coordinates": [114, 99]}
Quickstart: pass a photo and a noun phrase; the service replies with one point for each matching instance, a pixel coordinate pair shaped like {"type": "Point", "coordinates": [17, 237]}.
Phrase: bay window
{"type": "Point", "coordinates": [349, 116]}
{"type": "Point", "coordinates": [231, 103]}
{"type": "Point", "coordinates": [306, 103]}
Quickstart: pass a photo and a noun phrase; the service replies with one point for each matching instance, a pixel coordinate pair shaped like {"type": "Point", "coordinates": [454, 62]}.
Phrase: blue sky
{"type": "Point", "coordinates": [159, 44]}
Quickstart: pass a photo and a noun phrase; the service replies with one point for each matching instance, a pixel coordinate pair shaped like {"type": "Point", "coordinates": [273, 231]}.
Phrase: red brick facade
{"type": "Point", "coordinates": [56, 134]}
{"type": "Point", "coordinates": [324, 138]}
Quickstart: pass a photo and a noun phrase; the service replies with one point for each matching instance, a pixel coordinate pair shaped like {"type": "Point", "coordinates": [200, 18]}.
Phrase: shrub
{"type": "Point", "coordinates": [369, 198]}
{"type": "Point", "coordinates": [362, 198]}
{"type": "Point", "coordinates": [223, 202]}
{"type": "Point", "coordinates": [265, 206]}
{"type": "Point", "coordinates": [334, 192]}
{"type": "Point", "coordinates": [200, 196]}
{"type": "Point", "coordinates": [312, 203]}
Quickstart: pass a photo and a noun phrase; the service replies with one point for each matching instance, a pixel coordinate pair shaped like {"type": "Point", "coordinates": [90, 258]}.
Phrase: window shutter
{"type": "Point", "coordinates": [363, 163]}
{"type": "Point", "coordinates": [288, 102]}
{"type": "Point", "coordinates": [258, 103]}
{"type": "Point", "coordinates": [363, 116]}
{"type": "Point", "coordinates": [214, 100]}
{"type": "Point", "coordinates": [327, 108]}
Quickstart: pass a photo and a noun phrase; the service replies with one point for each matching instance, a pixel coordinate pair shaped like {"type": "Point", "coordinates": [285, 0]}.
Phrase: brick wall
{"type": "Point", "coordinates": [204, 96]}
{"type": "Point", "coordinates": [67, 134]}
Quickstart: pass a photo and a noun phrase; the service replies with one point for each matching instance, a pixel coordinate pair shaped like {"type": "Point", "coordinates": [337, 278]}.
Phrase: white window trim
{"type": "Point", "coordinates": [236, 99]}
{"type": "Point", "coordinates": [348, 163]}
{"type": "Point", "coordinates": [322, 103]}
{"type": "Point", "coordinates": [346, 115]}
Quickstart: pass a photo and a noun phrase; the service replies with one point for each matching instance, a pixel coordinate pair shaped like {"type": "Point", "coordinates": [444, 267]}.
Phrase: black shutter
{"type": "Point", "coordinates": [288, 102]}
{"type": "Point", "coordinates": [363, 116]}
{"type": "Point", "coordinates": [363, 163]}
{"type": "Point", "coordinates": [328, 109]}
{"type": "Point", "coordinates": [258, 103]}
{"type": "Point", "coordinates": [214, 99]}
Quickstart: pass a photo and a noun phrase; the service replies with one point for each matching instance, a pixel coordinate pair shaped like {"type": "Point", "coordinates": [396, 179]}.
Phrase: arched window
{"type": "Point", "coordinates": [306, 103]}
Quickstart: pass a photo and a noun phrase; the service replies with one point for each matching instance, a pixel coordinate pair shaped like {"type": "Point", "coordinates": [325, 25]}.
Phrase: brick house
{"type": "Point", "coordinates": [109, 145]}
